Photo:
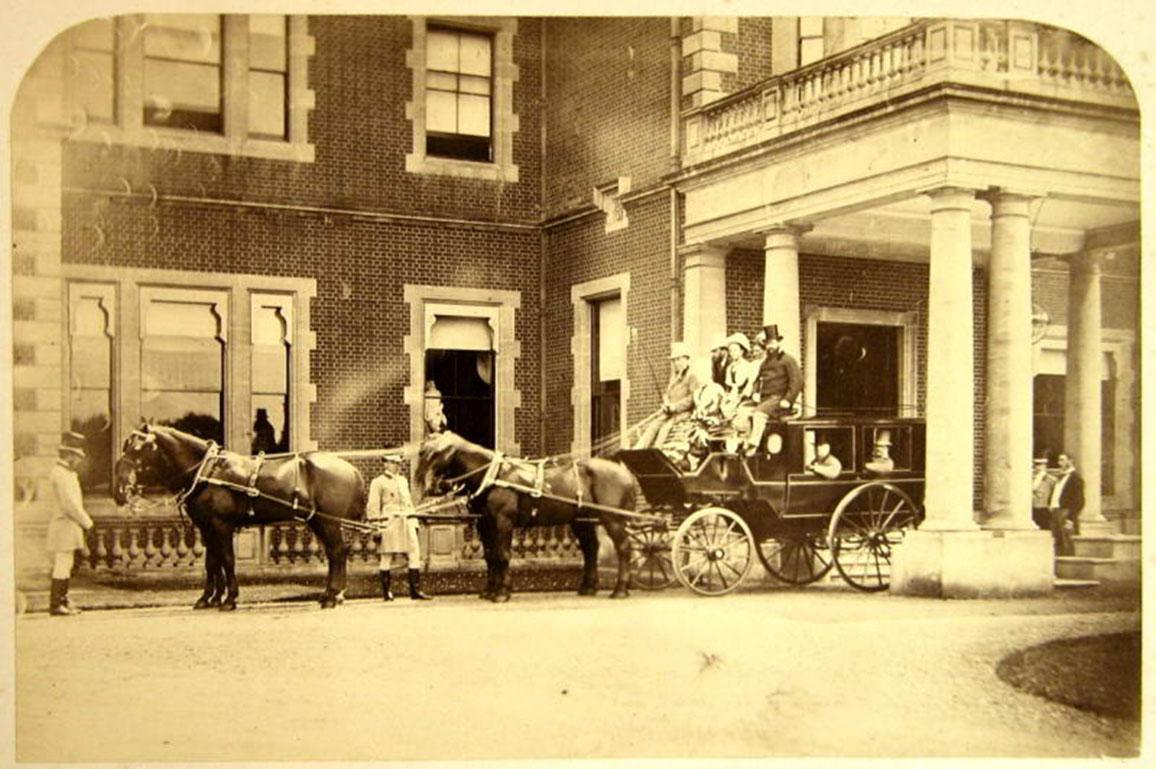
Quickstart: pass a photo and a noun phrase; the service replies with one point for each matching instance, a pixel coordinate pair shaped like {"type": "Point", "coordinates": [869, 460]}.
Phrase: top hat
{"type": "Point", "coordinates": [679, 350]}
{"type": "Point", "coordinates": [771, 331]}
{"type": "Point", "coordinates": [882, 437]}
{"type": "Point", "coordinates": [1040, 461]}
{"type": "Point", "coordinates": [72, 442]}
{"type": "Point", "coordinates": [396, 459]}
{"type": "Point", "coordinates": [740, 339]}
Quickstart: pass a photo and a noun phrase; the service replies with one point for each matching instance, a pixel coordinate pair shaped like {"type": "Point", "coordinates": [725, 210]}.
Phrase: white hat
{"type": "Point", "coordinates": [740, 339]}
{"type": "Point", "coordinates": [679, 350]}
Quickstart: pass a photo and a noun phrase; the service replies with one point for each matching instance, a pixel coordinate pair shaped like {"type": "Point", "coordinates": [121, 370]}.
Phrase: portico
{"type": "Point", "coordinates": [964, 184]}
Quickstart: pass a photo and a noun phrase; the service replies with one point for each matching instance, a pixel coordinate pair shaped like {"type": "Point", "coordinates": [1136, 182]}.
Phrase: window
{"type": "Point", "coordinates": [458, 94]}
{"type": "Point", "coordinates": [459, 364]}
{"type": "Point", "coordinates": [607, 365]}
{"type": "Point", "coordinates": [462, 113]}
{"type": "Point", "coordinates": [272, 330]}
{"type": "Point", "coordinates": [90, 395]}
{"type": "Point", "coordinates": [232, 84]}
{"type": "Point", "coordinates": [182, 71]}
{"type": "Point", "coordinates": [93, 47]}
{"type": "Point", "coordinates": [268, 75]}
{"type": "Point", "coordinates": [810, 39]}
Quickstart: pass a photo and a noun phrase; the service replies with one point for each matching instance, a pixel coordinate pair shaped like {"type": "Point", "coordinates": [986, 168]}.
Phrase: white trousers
{"type": "Point", "coordinates": [62, 564]}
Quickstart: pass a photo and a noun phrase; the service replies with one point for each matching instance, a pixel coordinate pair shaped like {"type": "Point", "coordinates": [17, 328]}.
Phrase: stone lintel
{"type": "Point", "coordinates": [973, 564]}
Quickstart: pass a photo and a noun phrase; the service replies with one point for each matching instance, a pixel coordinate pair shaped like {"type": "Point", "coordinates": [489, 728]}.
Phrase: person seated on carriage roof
{"type": "Point", "coordinates": [778, 384]}
{"type": "Point", "coordinates": [677, 401]}
{"type": "Point", "coordinates": [825, 464]}
{"type": "Point", "coordinates": [390, 502]}
{"type": "Point", "coordinates": [739, 375]}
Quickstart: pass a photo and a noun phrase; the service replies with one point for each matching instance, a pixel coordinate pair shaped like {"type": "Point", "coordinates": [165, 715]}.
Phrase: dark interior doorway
{"type": "Point", "coordinates": [857, 369]}
{"type": "Point", "coordinates": [465, 380]}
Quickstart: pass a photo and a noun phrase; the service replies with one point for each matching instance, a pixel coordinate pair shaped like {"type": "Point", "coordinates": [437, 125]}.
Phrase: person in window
{"type": "Point", "coordinates": [881, 461]}
{"type": "Point", "coordinates": [677, 401]}
{"type": "Point", "coordinates": [264, 434]}
{"type": "Point", "coordinates": [390, 503]}
{"type": "Point", "coordinates": [1065, 505]}
{"type": "Point", "coordinates": [825, 464]}
{"type": "Point", "coordinates": [69, 522]}
{"type": "Point", "coordinates": [778, 384]}
{"type": "Point", "coordinates": [435, 414]}
{"type": "Point", "coordinates": [1042, 483]}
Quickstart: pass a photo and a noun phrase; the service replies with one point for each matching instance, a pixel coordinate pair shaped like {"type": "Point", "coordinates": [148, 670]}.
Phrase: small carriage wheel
{"type": "Point", "coordinates": [797, 559]}
{"type": "Point", "coordinates": [712, 551]}
{"type": "Point", "coordinates": [869, 522]}
{"type": "Point", "coordinates": [650, 564]}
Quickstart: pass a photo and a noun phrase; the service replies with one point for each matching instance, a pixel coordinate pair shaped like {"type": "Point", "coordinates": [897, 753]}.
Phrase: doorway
{"type": "Point", "coordinates": [857, 369]}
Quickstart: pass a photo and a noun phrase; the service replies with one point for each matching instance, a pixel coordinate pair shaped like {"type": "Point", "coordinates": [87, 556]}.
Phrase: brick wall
{"type": "Point", "coordinates": [753, 46]}
{"type": "Point", "coordinates": [580, 251]}
{"type": "Point", "coordinates": [608, 84]}
{"type": "Point", "coordinates": [360, 133]}
{"type": "Point", "coordinates": [1119, 296]}
{"type": "Point", "coordinates": [358, 314]}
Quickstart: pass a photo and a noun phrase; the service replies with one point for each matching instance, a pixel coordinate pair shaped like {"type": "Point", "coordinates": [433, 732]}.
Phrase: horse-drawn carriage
{"type": "Point", "coordinates": [731, 508]}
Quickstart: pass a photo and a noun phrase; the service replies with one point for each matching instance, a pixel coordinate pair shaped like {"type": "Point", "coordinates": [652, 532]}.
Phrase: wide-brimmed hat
{"type": "Point", "coordinates": [740, 339]}
{"type": "Point", "coordinates": [679, 350]}
{"type": "Point", "coordinates": [72, 442]}
{"type": "Point", "coordinates": [771, 331]}
{"type": "Point", "coordinates": [394, 459]}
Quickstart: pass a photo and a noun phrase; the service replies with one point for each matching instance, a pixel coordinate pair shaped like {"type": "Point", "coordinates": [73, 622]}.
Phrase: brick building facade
{"type": "Point", "coordinates": [625, 156]}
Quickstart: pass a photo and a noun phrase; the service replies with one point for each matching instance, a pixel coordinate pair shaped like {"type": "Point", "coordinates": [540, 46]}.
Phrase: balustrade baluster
{"type": "Point", "coordinates": [150, 548]}
{"type": "Point", "coordinates": [166, 550]}
{"type": "Point", "coordinates": [313, 549]}
{"type": "Point", "coordinates": [198, 544]}
{"type": "Point", "coordinates": [100, 550]}
{"type": "Point", "coordinates": [116, 550]}
{"type": "Point", "coordinates": [182, 544]}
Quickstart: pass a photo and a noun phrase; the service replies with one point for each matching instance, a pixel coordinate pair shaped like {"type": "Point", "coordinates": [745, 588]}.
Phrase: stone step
{"type": "Point", "coordinates": [1122, 547]}
{"type": "Point", "coordinates": [1130, 526]}
{"type": "Point", "coordinates": [1071, 584]}
{"type": "Point", "coordinates": [1101, 569]}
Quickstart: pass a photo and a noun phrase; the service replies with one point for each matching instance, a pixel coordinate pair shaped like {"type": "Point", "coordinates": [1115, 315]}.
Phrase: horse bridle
{"type": "Point", "coordinates": [132, 490]}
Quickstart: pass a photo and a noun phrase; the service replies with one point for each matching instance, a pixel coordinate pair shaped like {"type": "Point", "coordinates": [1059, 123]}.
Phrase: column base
{"type": "Point", "coordinates": [973, 564]}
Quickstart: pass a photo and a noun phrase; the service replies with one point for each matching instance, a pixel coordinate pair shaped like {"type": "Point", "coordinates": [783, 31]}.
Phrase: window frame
{"type": "Point", "coordinates": [458, 92]}
{"type": "Point", "coordinates": [129, 127]}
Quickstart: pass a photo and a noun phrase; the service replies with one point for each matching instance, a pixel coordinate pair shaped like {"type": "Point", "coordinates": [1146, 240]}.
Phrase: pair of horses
{"type": "Point", "coordinates": [222, 491]}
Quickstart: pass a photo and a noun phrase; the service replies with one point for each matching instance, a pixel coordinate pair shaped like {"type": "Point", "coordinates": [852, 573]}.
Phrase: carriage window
{"type": "Point", "coordinates": [90, 380]}
{"type": "Point", "coordinates": [459, 373]}
{"type": "Point", "coordinates": [182, 71]}
{"type": "Point", "coordinates": [886, 448]}
{"type": "Point", "coordinates": [183, 364]}
{"type": "Point", "coordinates": [840, 439]}
{"type": "Point", "coordinates": [271, 335]}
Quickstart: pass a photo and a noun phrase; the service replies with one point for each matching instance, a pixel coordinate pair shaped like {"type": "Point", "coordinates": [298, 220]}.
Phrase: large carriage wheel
{"type": "Point", "coordinates": [712, 551]}
{"type": "Point", "coordinates": [867, 525]}
{"type": "Point", "coordinates": [797, 559]}
{"type": "Point", "coordinates": [650, 565]}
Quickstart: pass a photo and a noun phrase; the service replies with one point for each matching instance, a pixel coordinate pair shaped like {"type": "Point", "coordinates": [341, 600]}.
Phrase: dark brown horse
{"type": "Point", "coordinates": [319, 488]}
{"type": "Point", "coordinates": [447, 457]}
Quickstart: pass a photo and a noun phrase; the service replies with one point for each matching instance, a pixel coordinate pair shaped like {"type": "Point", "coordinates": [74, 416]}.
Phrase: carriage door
{"type": "Point", "coordinates": [607, 361]}
{"type": "Point", "coordinates": [857, 369]}
{"type": "Point", "coordinates": [459, 362]}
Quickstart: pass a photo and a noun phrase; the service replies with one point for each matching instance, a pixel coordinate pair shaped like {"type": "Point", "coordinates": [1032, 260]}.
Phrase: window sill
{"type": "Point", "coordinates": [170, 139]}
{"type": "Point", "coordinates": [462, 169]}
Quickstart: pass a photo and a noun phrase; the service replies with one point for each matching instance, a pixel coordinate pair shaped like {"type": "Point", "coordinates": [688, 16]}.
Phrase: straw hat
{"type": "Point", "coordinates": [740, 339]}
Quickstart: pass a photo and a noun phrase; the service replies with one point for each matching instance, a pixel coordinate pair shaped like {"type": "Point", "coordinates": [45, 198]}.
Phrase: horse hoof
{"type": "Point", "coordinates": [587, 591]}
{"type": "Point", "coordinates": [329, 604]}
{"type": "Point", "coordinates": [619, 594]}
{"type": "Point", "coordinates": [501, 598]}
{"type": "Point", "coordinates": [201, 603]}
{"type": "Point", "coordinates": [228, 606]}
{"type": "Point", "coordinates": [486, 596]}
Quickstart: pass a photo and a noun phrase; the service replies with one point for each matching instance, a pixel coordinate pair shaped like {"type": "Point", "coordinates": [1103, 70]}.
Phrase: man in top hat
{"type": "Point", "coordinates": [825, 464]}
{"type": "Point", "coordinates": [677, 401]}
{"type": "Point", "coordinates": [881, 461]}
{"type": "Point", "coordinates": [390, 502]}
{"type": "Point", "coordinates": [1042, 483]}
{"type": "Point", "coordinates": [779, 383]}
{"type": "Point", "coordinates": [68, 524]}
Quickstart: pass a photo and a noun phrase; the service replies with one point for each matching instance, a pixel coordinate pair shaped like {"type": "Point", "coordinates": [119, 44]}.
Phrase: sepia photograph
{"type": "Point", "coordinates": [444, 383]}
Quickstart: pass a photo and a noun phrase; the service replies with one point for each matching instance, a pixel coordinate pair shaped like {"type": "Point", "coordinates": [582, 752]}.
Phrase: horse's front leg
{"type": "Point", "coordinates": [224, 535]}
{"type": "Point", "coordinates": [211, 595]}
{"type": "Point", "coordinates": [587, 537]}
{"type": "Point", "coordinates": [616, 528]}
{"type": "Point", "coordinates": [504, 537]}
{"type": "Point", "coordinates": [489, 552]}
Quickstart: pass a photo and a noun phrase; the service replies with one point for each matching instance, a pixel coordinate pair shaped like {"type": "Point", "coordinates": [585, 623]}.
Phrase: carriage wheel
{"type": "Point", "coordinates": [650, 565]}
{"type": "Point", "coordinates": [867, 525]}
{"type": "Point", "coordinates": [712, 551]}
{"type": "Point", "coordinates": [797, 559]}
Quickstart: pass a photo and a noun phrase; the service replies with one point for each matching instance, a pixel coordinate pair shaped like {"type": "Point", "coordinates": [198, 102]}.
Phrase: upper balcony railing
{"type": "Point", "coordinates": [1007, 56]}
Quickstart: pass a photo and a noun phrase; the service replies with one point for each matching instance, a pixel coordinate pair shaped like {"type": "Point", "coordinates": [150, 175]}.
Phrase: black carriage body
{"type": "Point", "coordinates": [774, 492]}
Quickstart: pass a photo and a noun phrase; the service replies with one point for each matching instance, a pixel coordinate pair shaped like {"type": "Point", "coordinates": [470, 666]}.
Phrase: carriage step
{"type": "Point", "coordinates": [1068, 584]}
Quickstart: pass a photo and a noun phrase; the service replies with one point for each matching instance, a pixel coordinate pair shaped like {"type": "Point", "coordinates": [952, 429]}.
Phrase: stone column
{"type": "Point", "coordinates": [781, 283]}
{"type": "Point", "coordinates": [704, 296]}
{"type": "Point", "coordinates": [1082, 408]}
{"type": "Point", "coordinates": [950, 466]}
{"type": "Point", "coordinates": [1008, 415]}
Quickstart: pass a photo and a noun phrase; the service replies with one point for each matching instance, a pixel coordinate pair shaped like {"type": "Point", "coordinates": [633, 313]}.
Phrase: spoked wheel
{"type": "Point", "coordinates": [869, 523]}
{"type": "Point", "coordinates": [712, 551]}
{"type": "Point", "coordinates": [797, 559]}
{"type": "Point", "coordinates": [650, 565]}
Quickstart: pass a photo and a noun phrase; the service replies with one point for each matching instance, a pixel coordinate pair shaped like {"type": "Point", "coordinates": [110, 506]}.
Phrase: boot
{"type": "Point", "coordinates": [385, 594]}
{"type": "Point", "coordinates": [415, 586]}
{"type": "Point", "coordinates": [58, 600]}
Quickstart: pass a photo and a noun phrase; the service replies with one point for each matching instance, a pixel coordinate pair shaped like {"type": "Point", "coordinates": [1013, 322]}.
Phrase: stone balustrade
{"type": "Point", "coordinates": [1007, 56]}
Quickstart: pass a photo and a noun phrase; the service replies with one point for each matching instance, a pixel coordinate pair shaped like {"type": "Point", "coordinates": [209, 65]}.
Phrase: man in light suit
{"type": "Point", "coordinates": [68, 524]}
{"type": "Point", "coordinates": [1065, 504]}
{"type": "Point", "coordinates": [390, 503]}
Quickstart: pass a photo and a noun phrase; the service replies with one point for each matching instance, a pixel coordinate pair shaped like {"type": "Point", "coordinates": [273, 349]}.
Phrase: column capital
{"type": "Point", "coordinates": [695, 254]}
{"type": "Point", "coordinates": [950, 198]}
{"type": "Point", "coordinates": [1088, 262]}
{"type": "Point", "coordinates": [783, 234]}
{"type": "Point", "coordinates": [1006, 202]}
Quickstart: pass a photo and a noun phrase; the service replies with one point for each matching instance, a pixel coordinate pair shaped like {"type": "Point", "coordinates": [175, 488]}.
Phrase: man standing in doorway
{"type": "Point", "coordinates": [779, 383]}
{"type": "Point", "coordinates": [68, 524]}
{"type": "Point", "coordinates": [1065, 504]}
{"type": "Point", "coordinates": [390, 502]}
{"type": "Point", "coordinates": [677, 401]}
{"type": "Point", "coordinates": [1042, 483]}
